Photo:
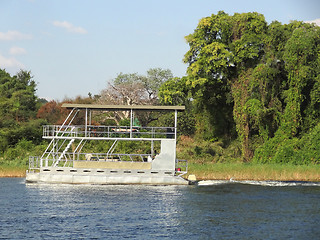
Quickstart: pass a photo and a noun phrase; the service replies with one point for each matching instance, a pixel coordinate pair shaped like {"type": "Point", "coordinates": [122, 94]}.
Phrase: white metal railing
{"type": "Point", "coordinates": [181, 167]}
{"type": "Point", "coordinates": [118, 157]}
{"type": "Point", "coordinates": [59, 130]}
{"type": "Point", "coordinates": [67, 158]}
{"type": "Point", "coordinates": [34, 162]}
{"type": "Point", "coordinates": [108, 131]}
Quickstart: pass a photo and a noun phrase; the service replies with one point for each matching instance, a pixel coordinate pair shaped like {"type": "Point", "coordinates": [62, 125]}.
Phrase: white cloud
{"type": "Point", "coordinates": [17, 51]}
{"type": "Point", "coordinates": [69, 27]}
{"type": "Point", "coordinates": [10, 63]}
{"type": "Point", "coordinates": [14, 35]}
{"type": "Point", "coordinates": [316, 21]}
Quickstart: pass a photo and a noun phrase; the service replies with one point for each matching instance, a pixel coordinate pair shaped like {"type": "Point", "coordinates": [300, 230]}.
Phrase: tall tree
{"type": "Point", "coordinates": [301, 54]}
{"type": "Point", "coordinates": [223, 52]}
{"type": "Point", "coordinates": [134, 89]}
{"type": "Point", "coordinates": [18, 107]}
{"type": "Point", "coordinates": [257, 77]}
{"type": "Point", "coordinates": [18, 99]}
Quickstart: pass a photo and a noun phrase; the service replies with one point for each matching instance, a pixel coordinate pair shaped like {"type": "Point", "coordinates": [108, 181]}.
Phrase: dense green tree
{"type": "Point", "coordinates": [18, 99]}
{"type": "Point", "coordinates": [223, 53]}
{"type": "Point", "coordinates": [299, 123]}
{"type": "Point", "coordinates": [245, 75]}
{"type": "Point", "coordinates": [174, 91]}
{"type": "Point", "coordinates": [302, 60]}
{"type": "Point", "coordinates": [18, 107]}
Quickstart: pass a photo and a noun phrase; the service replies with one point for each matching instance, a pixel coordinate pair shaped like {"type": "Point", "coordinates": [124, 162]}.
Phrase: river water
{"type": "Point", "coordinates": [215, 210]}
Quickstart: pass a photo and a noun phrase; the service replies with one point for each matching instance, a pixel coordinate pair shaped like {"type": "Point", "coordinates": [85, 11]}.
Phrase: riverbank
{"type": "Point", "coordinates": [226, 171]}
{"type": "Point", "coordinates": [258, 172]}
{"type": "Point", "coordinates": [6, 171]}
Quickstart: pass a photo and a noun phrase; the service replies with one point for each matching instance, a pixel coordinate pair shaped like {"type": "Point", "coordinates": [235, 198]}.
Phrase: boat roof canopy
{"type": "Point", "coordinates": [123, 107]}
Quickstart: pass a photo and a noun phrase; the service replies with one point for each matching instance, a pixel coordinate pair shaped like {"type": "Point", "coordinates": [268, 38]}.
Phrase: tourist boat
{"type": "Point", "coordinates": [64, 160]}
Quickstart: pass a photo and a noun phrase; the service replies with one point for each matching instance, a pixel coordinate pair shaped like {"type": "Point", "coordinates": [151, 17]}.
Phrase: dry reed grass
{"type": "Point", "coordinates": [12, 172]}
{"type": "Point", "coordinates": [258, 172]}
{"type": "Point", "coordinates": [226, 171]}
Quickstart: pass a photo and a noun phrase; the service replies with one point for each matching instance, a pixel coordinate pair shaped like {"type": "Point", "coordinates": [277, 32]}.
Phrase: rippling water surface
{"type": "Point", "coordinates": [219, 210]}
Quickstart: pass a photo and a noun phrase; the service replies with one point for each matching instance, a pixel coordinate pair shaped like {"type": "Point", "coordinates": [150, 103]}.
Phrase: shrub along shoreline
{"type": "Point", "coordinates": [226, 171]}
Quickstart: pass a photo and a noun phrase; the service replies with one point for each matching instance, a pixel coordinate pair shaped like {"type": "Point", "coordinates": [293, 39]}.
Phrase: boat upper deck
{"type": "Point", "coordinates": [98, 132]}
{"type": "Point", "coordinates": [108, 132]}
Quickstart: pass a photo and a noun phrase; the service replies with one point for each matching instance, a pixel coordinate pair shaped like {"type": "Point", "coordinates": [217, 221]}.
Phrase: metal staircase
{"type": "Point", "coordinates": [63, 154]}
{"type": "Point", "coordinates": [59, 139]}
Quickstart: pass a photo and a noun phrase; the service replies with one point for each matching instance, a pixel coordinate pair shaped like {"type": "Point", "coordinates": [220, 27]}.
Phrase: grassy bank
{"type": "Point", "coordinates": [213, 161]}
{"type": "Point", "coordinates": [207, 160]}
{"type": "Point", "coordinates": [226, 171]}
{"type": "Point", "coordinates": [242, 171]}
{"type": "Point", "coordinates": [9, 171]}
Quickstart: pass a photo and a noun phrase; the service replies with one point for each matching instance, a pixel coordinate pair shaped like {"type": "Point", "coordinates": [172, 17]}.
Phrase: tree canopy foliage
{"type": "Point", "coordinates": [18, 108]}
{"type": "Point", "coordinates": [134, 89]}
{"type": "Point", "coordinates": [248, 79]}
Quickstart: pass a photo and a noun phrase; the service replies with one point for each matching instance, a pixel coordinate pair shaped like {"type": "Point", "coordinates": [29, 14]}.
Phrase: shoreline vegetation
{"type": "Point", "coordinates": [251, 93]}
{"type": "Point", "coordinates": [227, 171]}
{"type": "Point", "coordinates": [6, 171]}
{"type": "Point", "coordinates": [257, 172]}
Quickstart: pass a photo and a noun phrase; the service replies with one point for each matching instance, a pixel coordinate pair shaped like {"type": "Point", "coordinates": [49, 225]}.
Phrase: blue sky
{"type": "Point", "coordinates": [73, 47]}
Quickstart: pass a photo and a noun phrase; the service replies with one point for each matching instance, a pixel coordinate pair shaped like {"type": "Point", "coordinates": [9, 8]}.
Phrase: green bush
{"type": "Point", "coordinates": [310, 146]}
{"type": "Point", "coordinates": [297, 151]}
{"type": "Point", "coordinates": [18, 156]}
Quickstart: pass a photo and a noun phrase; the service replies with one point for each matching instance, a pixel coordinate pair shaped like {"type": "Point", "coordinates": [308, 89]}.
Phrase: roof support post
{"type": "Point", "coordinates": [86, 122]}
{"type": "Point", "coordinates": [131, 122]}
{"type": "Point", "coordinates": [152, 149]}
{"type": "Point", "coordinates": [175, 124]}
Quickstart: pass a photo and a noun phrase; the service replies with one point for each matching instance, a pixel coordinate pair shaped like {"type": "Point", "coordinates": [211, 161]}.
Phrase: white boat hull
{"type": "Point", "coordinates": [103, 177]}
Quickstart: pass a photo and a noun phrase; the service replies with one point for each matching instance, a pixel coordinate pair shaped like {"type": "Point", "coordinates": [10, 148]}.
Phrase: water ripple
{"type": "Point", "coordinates": [260, 183]}
{"type": "Point", "coordinates": [221, 210]}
